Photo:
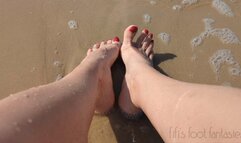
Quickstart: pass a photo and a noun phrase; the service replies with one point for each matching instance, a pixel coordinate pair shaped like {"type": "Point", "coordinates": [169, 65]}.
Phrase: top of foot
{"type": "Point", "coordinates": [135, 55]}
{"type": "Point", "coordinates": [139, 51]}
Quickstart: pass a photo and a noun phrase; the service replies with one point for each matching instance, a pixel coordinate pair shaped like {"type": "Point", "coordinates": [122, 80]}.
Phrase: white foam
{"type": "Point", "coordinates": [208, 23]}
{"type": "Point", "coordinates": [184, 3]}
{"type": "Point", "coordinates": [224, 56]}
{"type": "Point", "coordinates": [189, 2]}
{"type": "Point", "coordinates": [197, 41]}
{"type": "Point", "coordinates": [166, 38]}
{"type": "Point", "coordinates": [222, 8]}
{"type": "Point", "coordinates": [147, 18]}
{"type": "Point", "coordinates": [225, 35]}
{"type": "Point", "coordinates": [177, 7]}
{"type": "Point", "coordinates": [73, 24]}
{"type": "Point", "coordinates": [57, 63]}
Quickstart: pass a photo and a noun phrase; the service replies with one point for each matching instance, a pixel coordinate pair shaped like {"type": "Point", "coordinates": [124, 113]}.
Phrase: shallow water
{"type": "Point", "coordinates": [39, 46]}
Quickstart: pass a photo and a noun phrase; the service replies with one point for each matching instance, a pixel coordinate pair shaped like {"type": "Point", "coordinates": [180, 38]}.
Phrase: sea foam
{"type": "Point", "coordinates": [224, 56]}
{"type": "Point", "coordinates": [72, 24]}
{"type": "Point", "coordinates": [166, 38]}
{"type": "Point", "coordinates": [222, 8]}
{"type": "Point", "coordinates": [225, 35]}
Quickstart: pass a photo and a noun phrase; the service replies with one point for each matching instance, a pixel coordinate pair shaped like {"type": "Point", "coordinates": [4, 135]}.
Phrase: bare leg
{"type": "Point", "coordinates": [171, 104]}
{"type": "Point", "coordinates": [59, 112]}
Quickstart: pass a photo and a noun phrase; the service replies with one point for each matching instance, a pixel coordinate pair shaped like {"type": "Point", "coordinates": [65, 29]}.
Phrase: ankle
{"type": "Point", "coordinates": [131, 80]}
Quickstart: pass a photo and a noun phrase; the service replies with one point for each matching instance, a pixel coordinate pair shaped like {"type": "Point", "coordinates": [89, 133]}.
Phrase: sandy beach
{"type": "Point", "coordinates": [42, 41]}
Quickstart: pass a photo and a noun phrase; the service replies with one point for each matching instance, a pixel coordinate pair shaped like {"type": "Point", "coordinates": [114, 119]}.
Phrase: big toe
{"type": "Point", "coordinates": [129, 34]}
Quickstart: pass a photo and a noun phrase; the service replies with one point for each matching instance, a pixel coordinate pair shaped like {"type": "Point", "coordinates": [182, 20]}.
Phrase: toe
{"type": "Point", "coordinates": [109, 41]}
{"type": "Point", "coordinates": [151, 56]}
{"type": "Point", "coordinates": [129, 34]}
{"type": "Point", "coordinates": [116, 40]}
{"type": "Point", "coordinates": [89, 51]}
{"type": "Point", "coordinates": [141, 38]}
{"type": "Point", "coordinates": [102, 43]}
{"type": "Point", "coordinates": [149, 48]}
{"type": "Point", "coordinates": [147, 42]}
{"type": "Point", "coordinates": [96, 46]}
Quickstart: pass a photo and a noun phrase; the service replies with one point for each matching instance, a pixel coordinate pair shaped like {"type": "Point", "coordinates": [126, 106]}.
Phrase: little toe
{"type": "Point", "coordinates": [96, 46]}
{"type": "Point", "coordinates": [141, 38]}
{"type": "Point", "coordinates": [149, 48]}
{"type": "Point", "coordinates": [129, 34]}
{"type": "Point", "coordinates": [89, 51]}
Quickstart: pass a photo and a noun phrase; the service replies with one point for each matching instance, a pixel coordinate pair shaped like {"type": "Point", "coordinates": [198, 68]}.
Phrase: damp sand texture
{"type": "Point", "coordinates": [41, 41]}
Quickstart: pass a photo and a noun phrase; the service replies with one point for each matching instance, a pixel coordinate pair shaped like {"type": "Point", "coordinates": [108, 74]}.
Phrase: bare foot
{"type": "Point", "coordinates": [134, 54]}
{"type": "Point", "coordinates": [106, 97]}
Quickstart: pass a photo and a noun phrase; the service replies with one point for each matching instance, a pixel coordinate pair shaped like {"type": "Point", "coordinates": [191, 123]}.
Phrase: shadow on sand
{"type": "Point", "coordinates": [139, 131]}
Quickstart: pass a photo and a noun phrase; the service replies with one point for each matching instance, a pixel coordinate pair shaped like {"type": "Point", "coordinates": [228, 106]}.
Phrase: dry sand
{"type": "Point", "coordinates": [37, 46]}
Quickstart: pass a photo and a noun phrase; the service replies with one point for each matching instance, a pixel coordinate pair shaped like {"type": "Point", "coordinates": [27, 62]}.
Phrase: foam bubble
{"type": "Point", "coordinates": [166, 38]}
{"type": "Point", "coordinates": [147, 18]}
{"type": "Point", "coordinates": [177, 7]}
{"type": "Point", "coordinates": [208, 23]}
{"type": "Point", "coordinates": [236, 71]}
{"type": "Point", "coordinates": [225, 35]}
{"type": "Point", "coordinates": [73, 24]}
{"type": "Point", "coordinates": [222, 8]}
{"type": "Point", "coordinates": [58, 64]}
{"type": "Point", "coordinates": [197, 41]}
{"type": "Point", "coordinates": [189, 2]}
{"type": "Point", "coordinates": [224, 56]}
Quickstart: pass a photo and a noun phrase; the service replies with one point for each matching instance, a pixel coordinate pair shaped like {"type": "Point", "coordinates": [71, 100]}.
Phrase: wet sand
{"type": "Point", "coordinates": [37, 46]}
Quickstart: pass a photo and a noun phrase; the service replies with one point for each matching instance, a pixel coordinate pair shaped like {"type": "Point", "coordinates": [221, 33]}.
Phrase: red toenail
{"type": "Point", "coordinates": [116, 39]}
{"type": "Point", "coordinates": [151, 35]}
{"type": "Point", "coordinates": [145, 31]}
{"type": "Point", "coordinates": [133, 29]}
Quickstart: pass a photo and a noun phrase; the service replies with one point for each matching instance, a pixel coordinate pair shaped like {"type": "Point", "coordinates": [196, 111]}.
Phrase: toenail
{"type": "Point", "coordinates": [145, 31]}
{"type": "Point", "coordinates": [151, 35]}
{"type": "Point", "coordinates": [116, 39]}
{"type": "Point", "coordinates": [133, 29]}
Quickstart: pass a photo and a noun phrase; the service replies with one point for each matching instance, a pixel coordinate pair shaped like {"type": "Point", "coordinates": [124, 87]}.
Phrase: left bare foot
{"type": "Point", "coordinates": [106, 96]}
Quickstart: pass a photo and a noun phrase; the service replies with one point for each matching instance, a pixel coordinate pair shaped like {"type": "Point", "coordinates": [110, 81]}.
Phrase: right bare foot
{"type": "Point", "coordinates": [134, 54]}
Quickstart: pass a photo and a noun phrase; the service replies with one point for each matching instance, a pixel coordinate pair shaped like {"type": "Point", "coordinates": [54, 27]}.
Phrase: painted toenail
{"type": "Point", "coordinates": [116, 39]}
{"type": "Point", "coordinates": [145, 31]}
{"type": "Point", "coordinates": [133, 29]}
